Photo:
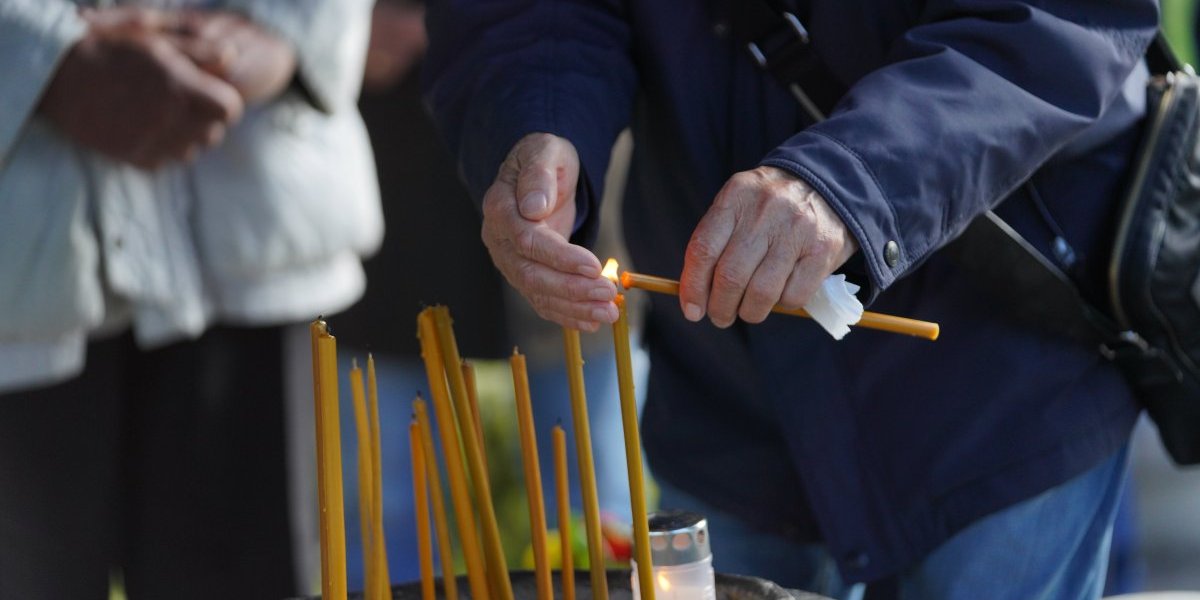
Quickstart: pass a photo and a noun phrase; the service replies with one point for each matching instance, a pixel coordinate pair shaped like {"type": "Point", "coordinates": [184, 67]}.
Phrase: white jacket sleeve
{"type": "Point", "coordinates": [329, 37]}
{"type": "Point", "coordinates": [34, 36]}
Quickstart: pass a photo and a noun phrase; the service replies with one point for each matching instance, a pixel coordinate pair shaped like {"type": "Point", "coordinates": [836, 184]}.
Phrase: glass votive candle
{"type": "Point", "coordinates": [681, 557]}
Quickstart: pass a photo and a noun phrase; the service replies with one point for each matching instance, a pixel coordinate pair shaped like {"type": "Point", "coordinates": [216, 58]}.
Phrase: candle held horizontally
{"type": "Point", "coordinates": [870, 320]}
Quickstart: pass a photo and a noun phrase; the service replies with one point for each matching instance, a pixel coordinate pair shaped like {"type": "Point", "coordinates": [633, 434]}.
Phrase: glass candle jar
{"type": "Point", "coordinates": [681, 557]}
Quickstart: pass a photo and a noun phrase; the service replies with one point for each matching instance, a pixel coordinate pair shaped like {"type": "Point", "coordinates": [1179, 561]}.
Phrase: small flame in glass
{"type": "Point", "coordinates": [664, 582]}
{"type": "Point", "coordinates": [610, 271]}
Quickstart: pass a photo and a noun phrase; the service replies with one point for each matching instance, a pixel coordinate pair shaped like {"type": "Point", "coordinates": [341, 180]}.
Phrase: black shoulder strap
{"type": "Point", "coordinates": [775, 37]}
{"type": "Point", "coordinates": [1160, 58]}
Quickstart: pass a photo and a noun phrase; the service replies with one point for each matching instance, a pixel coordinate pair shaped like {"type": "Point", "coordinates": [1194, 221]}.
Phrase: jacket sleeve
{"type": "Point", "coordinates": [34, 37]}
{"type": "Point", "coordinates": [973, 99]}
{"type": "Point", "coordinates": [499, 70]}
{"type": "Point", "coordinates": [329, 37]}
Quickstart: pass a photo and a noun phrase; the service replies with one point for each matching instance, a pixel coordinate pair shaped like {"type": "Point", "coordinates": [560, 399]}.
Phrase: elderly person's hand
{"type": "Point", "coordinates": [528, 214]}
{"type": "Point", "coordinates": [767, 239]}
{"type": "Point", "coordinates": [125, 91]}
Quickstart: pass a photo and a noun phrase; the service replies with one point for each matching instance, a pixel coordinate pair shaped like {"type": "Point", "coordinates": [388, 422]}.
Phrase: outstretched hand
{"type": "Point", "coordinates": [767, 239]}
{"type": "Point", "coordinates": [528, 214]}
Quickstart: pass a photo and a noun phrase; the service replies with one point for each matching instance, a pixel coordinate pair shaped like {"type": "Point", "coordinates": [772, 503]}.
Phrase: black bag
{"type": "Point", "coordinates": [1154, 270]}
{"type": "Point", "coordinates": [1151, 328]}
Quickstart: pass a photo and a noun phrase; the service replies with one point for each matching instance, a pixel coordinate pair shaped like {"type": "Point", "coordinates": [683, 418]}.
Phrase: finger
{"type": "Point", "coordinates": [214, 135]}
{"type": "Point", "coordinates": [537, 278]}
{"type": "Point", "coordinates": [214, 100]}
{"type": "Point", "coordinates": [560, 310]}
{"type": "Point", "coordinates": [803, 282]}
{"type": "Point", "coordinates": [742, 255]}
{"type": "Point", "coordinates": [703, 251]}
{"type": "Point", "coordinates": [127, 19]}
{"type": "Point", "coordinates": [766, 286]}
{"type": "Point", "coordinates": [537, 189]}
{"type": "Point", "coordinates": [212, 56]}
{"type": "Point", "coordinates": [542, 244]}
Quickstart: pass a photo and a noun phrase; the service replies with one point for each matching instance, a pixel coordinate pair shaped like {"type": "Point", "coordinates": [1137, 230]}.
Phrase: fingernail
{"type": "Point", "coordinates": [589, 270]}
{"type": "Point", "coordinates": [603, 315]}
{"type": "Point", "coordinates": [693, 312]}
{"type": "Point", "coordinates": [534, 203]}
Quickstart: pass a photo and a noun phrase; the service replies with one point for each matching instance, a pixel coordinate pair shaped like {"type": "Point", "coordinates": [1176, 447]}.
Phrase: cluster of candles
{"type": "Point", "coordinates": [455, 405]}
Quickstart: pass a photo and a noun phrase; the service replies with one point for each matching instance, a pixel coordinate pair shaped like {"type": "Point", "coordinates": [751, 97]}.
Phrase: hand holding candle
{"type": "Point", "coordinates": [767, 238]}
{"type": "Point", "coordinates": [869, 320]}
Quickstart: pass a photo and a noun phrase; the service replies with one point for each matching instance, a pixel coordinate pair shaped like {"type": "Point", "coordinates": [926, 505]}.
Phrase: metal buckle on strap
{"type": "Point", "coordinates": [772, 52]}
{"type": "Point", "coordinates": [770, 46]}
{"type": "Point", "coordinates": [1125, 342]}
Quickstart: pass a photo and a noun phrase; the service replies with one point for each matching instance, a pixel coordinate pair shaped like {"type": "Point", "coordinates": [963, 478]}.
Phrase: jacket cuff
{"type": "Point", "coordinates": [35, 35]}
{"type": "Point", "coordinates": [848, 186]}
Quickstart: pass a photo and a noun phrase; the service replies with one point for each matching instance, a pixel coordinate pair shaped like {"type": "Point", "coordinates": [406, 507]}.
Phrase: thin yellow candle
{"type": "Point", "coordinates": [493, 550]}
{"type": "Point", "coordinates": [329, 463]}
{"type": "Point", "coordinates": [633, 442]}
{"type": "Point", "coordinates": [473, 396]}
{"type": "Point", "coordinates": [533, 476]}
{"type": "Point", "coordinates": [378, 539]}
{"type": "Point", "coordinates": [870, 320]}
{"type": "Point", "coordinates": [459, 496]}
{"type": "Point", "coordinates": [587, 470]}
{"type": "Point", "coordinates": [315, 330]}
{"type": "Point", "coordinates": [366, 495]}
{"type": "Point", "coordinates": [445, 553]}
{"type": "Point", "coordinates": [421, 505]}
{"type": "Point", "coordinates": [561, 485]}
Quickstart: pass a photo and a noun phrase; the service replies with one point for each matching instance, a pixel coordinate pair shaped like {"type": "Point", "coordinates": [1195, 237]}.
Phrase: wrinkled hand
{"type": "Point", "coordinates": [767, 239]}
{"type": "Point", "coordinates": [257, 62]}
{"type": "Point", "coordinates": [125, 91]}
{"type": "Point", "coordinates": [528, 213]}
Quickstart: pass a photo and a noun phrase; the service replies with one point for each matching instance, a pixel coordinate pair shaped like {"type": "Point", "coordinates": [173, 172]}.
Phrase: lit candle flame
{"type": "Point", "coordinates": [610, 271]}
{"type": "Point", "coordinates": [664, 582]}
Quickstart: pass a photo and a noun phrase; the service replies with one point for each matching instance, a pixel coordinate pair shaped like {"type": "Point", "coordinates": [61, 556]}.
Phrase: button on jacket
{"type": "Point", "coordinates": [880, 445]}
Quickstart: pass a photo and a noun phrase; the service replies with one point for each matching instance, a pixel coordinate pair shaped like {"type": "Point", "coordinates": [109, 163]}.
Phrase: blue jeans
{"type": "Point", "coordinates": [1052, 546]}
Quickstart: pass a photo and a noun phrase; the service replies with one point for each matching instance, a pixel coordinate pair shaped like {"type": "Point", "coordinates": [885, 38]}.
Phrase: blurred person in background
{"type": "Point", "coordinates": [178, 180]}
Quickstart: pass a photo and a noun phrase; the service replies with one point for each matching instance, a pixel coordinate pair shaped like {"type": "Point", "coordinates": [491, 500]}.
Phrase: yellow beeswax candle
{"type": "Point", "coordinates": [533, 476]}
{"type": "Point", "coordinates": [441, 523]}
{"type": "Point", "coordinates": [493, 550]}
{"type": "Point", "coordinates": [633, 450]}
{"type": "Point", "coordinates": [563, 496]}
{"type": "Point", "coordinates": [459, 496]}
{"type": "Point", "coordinates": [587, 469]}
{"type": "Point", "coordinates": [329, 463]}
{"type": "Point", "coordinates": [421, 507]}
{"type": "Point", "coordinates": [366, 494]}
{"type": "Point", "coordinates": [473, 396]}
{"type": "Point", "coordinates": [379, 542]}
{"type": "Point", "coordinates": [870, 320]}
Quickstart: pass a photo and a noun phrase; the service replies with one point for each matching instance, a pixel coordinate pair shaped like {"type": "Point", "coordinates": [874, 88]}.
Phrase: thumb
{"type": "Point", "coordinates": [537, 190]}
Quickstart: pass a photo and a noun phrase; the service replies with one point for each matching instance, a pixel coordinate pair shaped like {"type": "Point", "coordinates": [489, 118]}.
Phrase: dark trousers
{"type": "Point", "coordinates": [167, 466]}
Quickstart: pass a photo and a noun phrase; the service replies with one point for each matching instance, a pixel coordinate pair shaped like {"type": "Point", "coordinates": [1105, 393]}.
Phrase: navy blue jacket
{"type": "Point", "coordinates": [881, 445]}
